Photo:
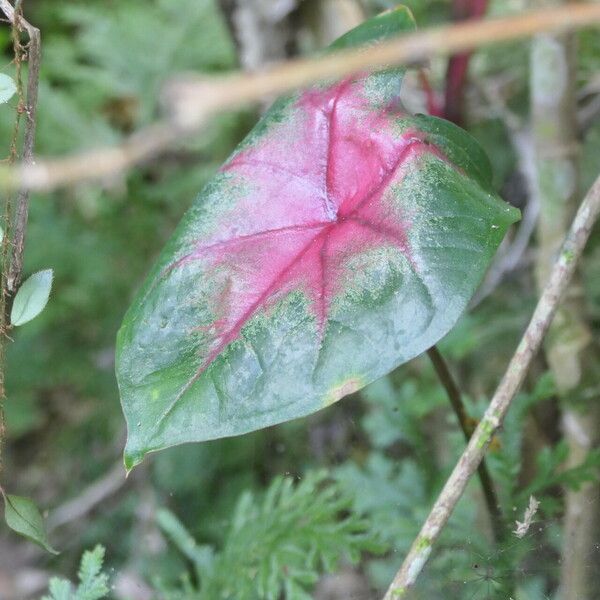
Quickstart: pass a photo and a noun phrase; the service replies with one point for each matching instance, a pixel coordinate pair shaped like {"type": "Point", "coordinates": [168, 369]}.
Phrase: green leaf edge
{"type": "Point", "coordinates": [11, 512]}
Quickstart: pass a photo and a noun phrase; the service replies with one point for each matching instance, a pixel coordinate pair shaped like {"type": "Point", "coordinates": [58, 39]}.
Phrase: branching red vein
{"type": "Point", "coordinates": [323, 231]}
{"type": "Point", "coordinates": [381, 230]}
{"type": "Point", "coordinates": [322, 300]}
{"type": "Point", "coordinates": [251, 162]}
{"type": "Point", "coordinates": [202, 250]}
{"type": "Point", "coordinates": [330, 209]}
{"type": "Point", "coordinates": [411, 147]}
{"type": "Point", "coordinates": [231, 334]}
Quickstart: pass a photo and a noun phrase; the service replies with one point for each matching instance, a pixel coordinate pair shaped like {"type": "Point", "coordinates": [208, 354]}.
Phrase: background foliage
{"type": "Point", "coordinates": [280, 507]}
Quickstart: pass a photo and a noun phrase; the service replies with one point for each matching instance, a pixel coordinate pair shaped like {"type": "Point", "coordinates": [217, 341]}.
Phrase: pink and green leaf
{"type": "Point", "coordinates": [341, 239]}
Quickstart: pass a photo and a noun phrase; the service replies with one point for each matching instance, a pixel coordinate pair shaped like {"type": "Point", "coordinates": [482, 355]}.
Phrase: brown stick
{"type": "Point", "coordinates": [14, 234]}
{"type": "Point", "coordinates": [455, 397]}
{"type": "Point", "coordinates": [192, 100]}
{"type": "Point", "coordinates": [15, 271]}
{"type": "Point", "coordinates": [88, 499]}
{"type": "Point", "coordinates": [559, 280]}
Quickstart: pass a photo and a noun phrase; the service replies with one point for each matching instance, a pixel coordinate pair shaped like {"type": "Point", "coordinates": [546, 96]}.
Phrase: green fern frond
{"type": "Point", "coordinates": [279, 544]}
{"type": "Point", "coordinates": [93, 583]}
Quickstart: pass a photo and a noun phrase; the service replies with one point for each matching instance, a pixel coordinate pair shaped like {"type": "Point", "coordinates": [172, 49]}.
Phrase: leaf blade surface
{"type": "Point", "coordinates": [32, 297]}
{"type": "Point", "coordinates": [342, 238]}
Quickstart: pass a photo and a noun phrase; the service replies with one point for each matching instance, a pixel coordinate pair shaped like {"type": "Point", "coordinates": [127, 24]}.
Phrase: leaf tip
{"type": "Point", "coordinates": [514, 213]}
{"type": "Point", "coordinates": [23, 517]}
{"type": "Point", "coordinates": [131, 460]}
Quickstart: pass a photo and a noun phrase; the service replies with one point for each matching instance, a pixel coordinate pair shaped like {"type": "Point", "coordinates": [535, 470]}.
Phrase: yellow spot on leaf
{"type": "Point", "coordinates": [339, 391]}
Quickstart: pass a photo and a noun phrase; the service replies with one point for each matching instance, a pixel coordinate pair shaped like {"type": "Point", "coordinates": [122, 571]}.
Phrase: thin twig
{"type": "Point", "coordinates": [14, 232]}
{"type": "Point", "coordinates": [559, 280]}
{"type": "Point", "coordinates": [191, 100]}
{"type": "Point", "coordinates": [7, 226]}
{"type": "Point", "coordinates": [88, 499]}
{"type": "Point", "coordinates": [455, 397]}
{"type": "Point", "coordinates": [510, 255]}
{"type": "Point", "coordinates": [22, 208]}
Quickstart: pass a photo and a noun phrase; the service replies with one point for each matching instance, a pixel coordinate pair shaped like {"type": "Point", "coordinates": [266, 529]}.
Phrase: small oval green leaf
{"type": "Point", "coordinates": [8, 88]}
{"type": "Point", "coordinates": [23, 517]}
{"type": "Point", "coordinates": [32, 297]}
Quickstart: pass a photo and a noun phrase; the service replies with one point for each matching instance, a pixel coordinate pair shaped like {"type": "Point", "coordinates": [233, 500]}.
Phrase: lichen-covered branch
{"type": "Point", "coordinates": [571, 351]}
{"type": "Point", "coordinates": [554, 291]}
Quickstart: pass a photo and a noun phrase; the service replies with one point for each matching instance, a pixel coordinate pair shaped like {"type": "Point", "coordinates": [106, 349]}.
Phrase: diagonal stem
{"type": "Point", "coordinates": [558, 282]}
{"type": "Point", "coordinates": [455, 397]}
{"type": "Point", "coordinates": [193, 100]}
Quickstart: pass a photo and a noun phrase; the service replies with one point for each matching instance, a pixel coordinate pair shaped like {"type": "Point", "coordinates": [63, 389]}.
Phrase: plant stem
{"type": "Point", "coordinates": [455, 397]}
{"type": "Point", "coordinates": [456, 73]}
{"type": "Point", "coordinates": [14, 231]}
{"type": "Point", "coordinates": [30, 109]}
{"type": "Point", "coordinates": [558, 282]}
{"type": "Point", "coordinates": [192, 101]}
{"type": "Point", "coordinates": [7, 227]}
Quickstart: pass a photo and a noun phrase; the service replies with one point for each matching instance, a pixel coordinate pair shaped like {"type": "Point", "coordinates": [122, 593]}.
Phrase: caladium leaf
{"type": "Point", "coordinates": [342, 238]}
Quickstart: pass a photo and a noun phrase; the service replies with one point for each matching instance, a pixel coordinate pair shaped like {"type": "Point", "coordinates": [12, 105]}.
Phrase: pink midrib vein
{"type": "Point", "coordinates": [323, 229]}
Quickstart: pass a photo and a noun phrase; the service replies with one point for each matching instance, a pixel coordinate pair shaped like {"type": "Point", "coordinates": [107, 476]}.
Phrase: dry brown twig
{"type": "Point", "coordinates": [454, 395]}
{"type": "Point", "coordinates": [530, 343]}
{"type": "Point", "coordinates": [29, 109]}
{"type": "Point", "coordinates": [89, 498]}
{"type": "Point", "coordinates": [13, 242]}
{"type": "Point", "coordinates": [191, 100]}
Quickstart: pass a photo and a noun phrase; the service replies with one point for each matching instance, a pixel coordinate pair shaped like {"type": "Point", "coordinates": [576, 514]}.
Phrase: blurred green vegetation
{"type": "Point", "coordinates": [387, 450]}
